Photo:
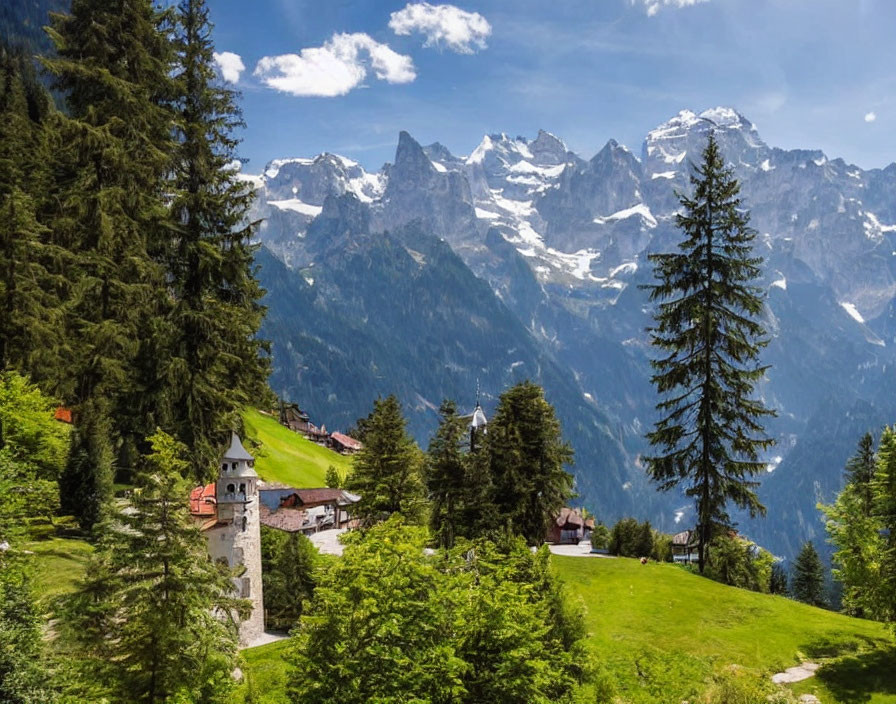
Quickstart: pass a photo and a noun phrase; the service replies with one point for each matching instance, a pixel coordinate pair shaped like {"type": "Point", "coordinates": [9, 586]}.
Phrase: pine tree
{"type": "Point", "coordinates": [527, 455]}
{"type": "Point", "coordinates": [111, 160]}
{"type": "Point", "coordinates": [445, 475]}
{"type": "Point", "coordinates": [214, 365]}
{"type": "Point", "coordinates": [807, 581]}
{"type": "Point", "coordinates": [710, 433]}
{"type": "Point", "coordinates": [778, 580]}
{"type": "Point", "coordinates": [860, 469]}
{"type": "Point", "coordinates": [144, 623]}
{"type": "Point", "coordinates": [387, 472]}
{"type": "Point", "coordinates": [29, 308]}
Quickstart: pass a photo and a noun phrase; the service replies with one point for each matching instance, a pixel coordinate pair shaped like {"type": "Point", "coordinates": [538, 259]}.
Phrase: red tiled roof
{"type": "Point", "coordinates": [346, 441]}
{"type": "Point", "coordinates": [63, 414]}
{"type": "Point", "coordinates": [202, 501]}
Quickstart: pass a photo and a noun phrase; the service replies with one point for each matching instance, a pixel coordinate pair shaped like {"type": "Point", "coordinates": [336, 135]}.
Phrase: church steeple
{"type": "Point", "coordinates": [479, 421]}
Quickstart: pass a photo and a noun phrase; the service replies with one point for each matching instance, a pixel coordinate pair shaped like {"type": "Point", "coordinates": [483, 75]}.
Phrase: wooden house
{"type": "Point", "coordinates": [684, 546]}
{"type": "Point", "coordinates": [569, 526]}
{"type": "Point", "coordinates": [294, 417]}
{"type": "Point", "coordinates": [344, 444]}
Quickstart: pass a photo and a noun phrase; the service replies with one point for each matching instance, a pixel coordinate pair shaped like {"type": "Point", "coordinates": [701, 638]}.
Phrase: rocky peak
{"type": "Point", "coordinates": [548, 149]}
{"type": "Point", "coordinates": [411, 162]}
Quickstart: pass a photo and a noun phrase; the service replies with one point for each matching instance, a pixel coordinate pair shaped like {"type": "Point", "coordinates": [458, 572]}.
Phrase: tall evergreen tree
{"type": "Point", "coordinates": [807, 580]}
{"type": "Point", "coordinates": [710, 432]}
{"type": "Point", "coordinates": [29, 321]}
{"type": "Point", "coordinates": [214, 364]}
{"type": "Point", "coordinates": [144, 624]}
{"type": "Point", "coordinates": [527, 455]}
{"type": "Point", "coordinates": [445, 475]}
{"type": "Point", "coordinates": [387, 472]}
{"type": "Point", "coordinates": [860, 469]}
{"type": "Point", "coordinates": [113, 156]}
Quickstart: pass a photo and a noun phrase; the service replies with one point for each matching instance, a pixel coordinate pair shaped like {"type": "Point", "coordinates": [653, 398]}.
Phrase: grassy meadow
{"type": "Point", "coordinates": [282, 455]}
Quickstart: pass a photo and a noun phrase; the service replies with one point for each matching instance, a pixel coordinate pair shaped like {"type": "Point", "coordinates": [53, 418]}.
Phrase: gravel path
{"type": "Point", "coordinates": [583, 549]}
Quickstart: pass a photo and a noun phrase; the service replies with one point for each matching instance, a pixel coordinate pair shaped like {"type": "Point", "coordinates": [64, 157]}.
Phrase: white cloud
{"type": "Point", "coordinates": [230, 65]}
{"type": "Point", "coordinates": [334, 68]}
{"type": "Point", "coordinates": [870, 117]}
{"type": "Point", "coordinates": [459, 30]}
{"type": "Point", "coordinates": [654, 6]}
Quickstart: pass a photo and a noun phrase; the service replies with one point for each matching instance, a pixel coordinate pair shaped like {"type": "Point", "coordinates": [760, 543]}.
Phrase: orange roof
{"type": "Point", "coordinates": [203, 502]}
{"type": "Point", "coordinates": [346, 441]}
{"type": "Point", "coordinates": [63, 414]}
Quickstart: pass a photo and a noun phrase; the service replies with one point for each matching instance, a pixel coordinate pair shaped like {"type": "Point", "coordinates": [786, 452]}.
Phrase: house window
{"type": "Point", "coordinates": [224, 466]}
{"type": "Point", "coordinates": [244, 524]}
{"type": "Point", "coordinates": [231, 488]}
{"type": "Point", "coordinates": [245, 588]}
{"type": "Point", "coordinates": [242, 488]}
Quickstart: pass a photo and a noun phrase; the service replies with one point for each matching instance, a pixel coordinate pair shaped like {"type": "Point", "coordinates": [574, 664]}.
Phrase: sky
{"type": "Point", "coordinates": [345, 76]}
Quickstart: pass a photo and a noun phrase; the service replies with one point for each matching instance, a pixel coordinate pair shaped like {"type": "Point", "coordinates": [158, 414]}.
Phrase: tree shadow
{"type": "Point", "coordinates": [855, 678]}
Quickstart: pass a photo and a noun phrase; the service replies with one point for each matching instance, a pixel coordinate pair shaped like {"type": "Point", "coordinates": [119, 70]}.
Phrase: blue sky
{"type": "Point", "coordinates": [347, 75]}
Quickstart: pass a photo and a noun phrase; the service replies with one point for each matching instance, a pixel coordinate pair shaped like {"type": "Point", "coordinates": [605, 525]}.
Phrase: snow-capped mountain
{"type": "Point", "coordinates": [562, 242]}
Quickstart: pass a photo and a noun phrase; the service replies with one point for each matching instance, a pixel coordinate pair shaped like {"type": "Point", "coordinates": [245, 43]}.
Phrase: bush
{"type": "Point", "coordinates": [737, 685]}
{"type": "Point", "coordinates": [662, 547]}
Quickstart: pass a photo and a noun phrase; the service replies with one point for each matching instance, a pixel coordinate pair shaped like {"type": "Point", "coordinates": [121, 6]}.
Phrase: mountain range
{"type": "Point", "coordinates": [440, 274]}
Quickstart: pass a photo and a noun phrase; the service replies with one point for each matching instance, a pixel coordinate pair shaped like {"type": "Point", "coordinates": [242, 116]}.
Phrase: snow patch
{"type": "Point", "coordinates": [664, 174]}
{"type": "Point", "coordinates": [438, 167]}
{"type": "Point", "coordinates": [773, 463]}
{"type": "Point", "coordinates": [640, 209]}
{"type": "Point", "coordinates": [625, 268]}
{"type": "Point", "coordinates": [297, 206]}
{"type": "Point", "coordinates": [486, 214]}
{"type": "Point", "coordinates": [853, 311]}
{"type": "Point", "coordinates": [766, 165]}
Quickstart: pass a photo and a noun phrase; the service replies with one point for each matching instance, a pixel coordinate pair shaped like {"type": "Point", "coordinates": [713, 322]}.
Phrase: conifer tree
{"type": "Point", "coordinates": [214, 364]}
{"type": "Point", "coordinates": [445, 476]}
{"type": "Point", "coordinates": [29, 319]}
{"type": "Point", "coordinates": [145, 624]}
{"type": "Point", "coordinates": [884, 510]}
{"type": "Point", "coordinates": [860, 469]}
{"type": "Point", "coordinates": [112, 157]}
{"type": "Point", "coordinates": [710, 433]}
{"type": "Point", "coordinates": [527, 455]}
{"type": "Point", "coordinates": [807, 581]}
{"type": "Point", "coordinates": [387, 472]}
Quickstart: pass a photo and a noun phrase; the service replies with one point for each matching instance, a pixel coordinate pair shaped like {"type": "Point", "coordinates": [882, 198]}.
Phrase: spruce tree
{"type": "Point", "coordinates": [884, 512]}
{"type": "Point", "coordinates": [527, 455]}
{"type": "Point", "coordinates": [112, 158]}
{"type": "Point", "coordinates": [445, 475]}
{"type": "Point", "coordinates": [214, 363]}
{"type": "Point", "coordinates": [29, 308]}
{"type": "Point", "coordinates": [807, 580]}
{"type": "Point", "coordinates": [778, 580]}
{"type": "Point", "coordinates": [145, 624]}
{"type": "Point", "coordinates": [710, 433]}
{"type": "Point", "coordinates": [860, 469]}
{"type": "Point", "coordinates": [387, 472]}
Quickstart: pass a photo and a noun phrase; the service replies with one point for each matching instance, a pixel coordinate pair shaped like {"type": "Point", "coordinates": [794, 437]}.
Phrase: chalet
{"type": "Point", "coordinates": [306, 511]}
{"type": "Point", "coordinates": [294, 418]}
{"type": "Point", "coordinates": [684, 546]}
{"type": "Point", "coordinates": [569, 526]}
{"type": "Point", "coordinates": [343, 444]}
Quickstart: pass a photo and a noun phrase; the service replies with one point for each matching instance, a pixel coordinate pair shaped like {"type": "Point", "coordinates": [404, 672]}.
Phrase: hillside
{"type": "Point", "coordinates": [284, 456]}
{"type": "Point", "coordinates": [659, 633]}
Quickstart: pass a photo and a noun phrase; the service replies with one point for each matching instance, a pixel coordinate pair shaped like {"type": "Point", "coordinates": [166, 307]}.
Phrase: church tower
{"type": "Point", "coordinates": [236, 537]}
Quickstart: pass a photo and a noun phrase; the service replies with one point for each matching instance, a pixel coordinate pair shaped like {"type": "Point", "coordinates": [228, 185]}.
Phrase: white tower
{"type": "Point", "coordinates": [237, 536]}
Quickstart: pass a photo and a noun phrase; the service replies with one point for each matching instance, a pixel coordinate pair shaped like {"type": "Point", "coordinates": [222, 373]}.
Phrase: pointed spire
{"type": "Point", "coordinates": [236, 451]}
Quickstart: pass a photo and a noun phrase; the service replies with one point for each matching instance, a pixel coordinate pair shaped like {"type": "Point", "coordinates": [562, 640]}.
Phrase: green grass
{"type": "Point", "coordinates": [266, 667]}
{"type": "Point", "coordinates": [58, 565]}
{"type": "Point", "coordinates": [285, 456]}
{"type": "Point", "coordinates": [660, 631]}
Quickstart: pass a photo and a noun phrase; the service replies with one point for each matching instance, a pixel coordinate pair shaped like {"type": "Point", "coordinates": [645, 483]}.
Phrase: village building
{"type": "Point", "coordinates": [684, 546]}
{"type": "Point", "coordinates": [344, 444]}
{"type": "Point", "coordinates": [569, 526]}
{"type": "Point", "coordinates": [306, 511]}
{"type": "Point", "coordinates": [228, 513]}
{"type": "Point", "coordinates": [294, 418]}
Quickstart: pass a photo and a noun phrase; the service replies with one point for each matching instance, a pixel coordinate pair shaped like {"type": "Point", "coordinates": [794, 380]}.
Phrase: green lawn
{"type": "Point", "coordinates": [265, 671]}
{"type": "Point", "coordinates": [58, 564]}
{"type": "Point", "coordinates": [284, 456]}
{"type": "Point", "coordinates": [660, 631]}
